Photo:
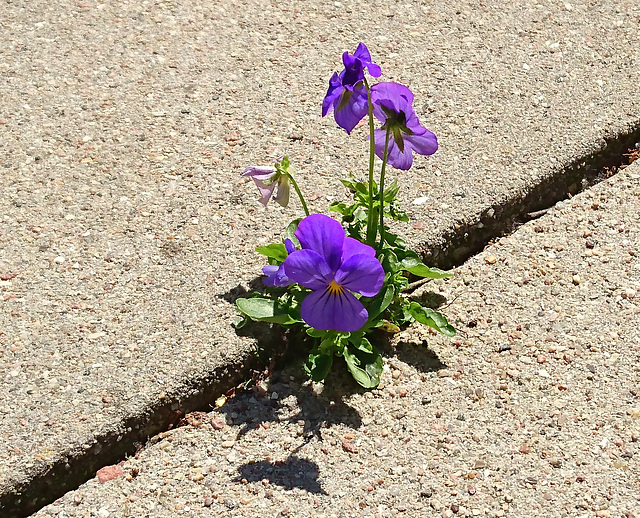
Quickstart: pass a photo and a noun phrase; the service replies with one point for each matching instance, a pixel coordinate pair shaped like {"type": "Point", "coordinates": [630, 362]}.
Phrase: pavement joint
{"type": "Point", "coordinates": [73, 469]}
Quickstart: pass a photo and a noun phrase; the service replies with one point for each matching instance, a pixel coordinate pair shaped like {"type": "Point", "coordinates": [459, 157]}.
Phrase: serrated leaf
{"type": "Point", "coordinates": [265, 310]}
{"type": "Point", "coordinates": [431, 318]}
{"type": "Point", "coordinates": [275, 251]}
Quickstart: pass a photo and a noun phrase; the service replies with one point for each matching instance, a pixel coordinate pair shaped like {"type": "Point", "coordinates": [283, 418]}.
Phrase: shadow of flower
{"type": "Point", "coordinates": [291, 473]}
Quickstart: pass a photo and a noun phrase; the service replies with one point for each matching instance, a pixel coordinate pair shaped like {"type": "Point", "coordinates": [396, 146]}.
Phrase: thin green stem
{"type": "Point", "coordinates": [381, 187]}
{"type": "Point", "coordinates": [298, 192]}
{"type": "Point", "coordinates": [371, 233]}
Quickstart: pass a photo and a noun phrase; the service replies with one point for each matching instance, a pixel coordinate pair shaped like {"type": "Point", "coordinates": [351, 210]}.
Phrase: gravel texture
{"type": "Point", "coordinates": [533, 410]}
{"type": "Point", "coordinates": [124, 227]}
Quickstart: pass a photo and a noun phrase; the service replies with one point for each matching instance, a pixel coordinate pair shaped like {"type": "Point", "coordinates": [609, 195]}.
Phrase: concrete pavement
{"type": "Point", "coordinates": [125, 230]}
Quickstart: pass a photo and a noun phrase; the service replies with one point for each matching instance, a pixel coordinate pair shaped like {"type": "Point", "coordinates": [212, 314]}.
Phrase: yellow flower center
{"type": "Point", "coordinates": [335, 288]}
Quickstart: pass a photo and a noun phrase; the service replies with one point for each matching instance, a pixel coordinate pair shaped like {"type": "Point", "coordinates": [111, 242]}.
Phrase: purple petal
{"type": "Point", "coordinates": [354, 111]}
{"type": "Point", "coordinates": [323, 235]}
{"type": "Point", "coordinates": [361, 274]}
{"type": "Point", "coordinates": [260, 172]}
{"type": "Point", "coordinates": [323, 310]}
{"type": "Point", "coordinates": [353, 71]}
{"type": "Point", "coordinates": [399, 159]}
{"type": "Point", "coordinates": [391, 95]}
{"type": "Point", "coordinates": [270, 269]}
{"type": "Point", "coordinates": [266, 191]}
{"type": "Point", "coordinates": [426, 144]}
{"type": "Point", "coordinates": [309, 269]}
{"type": "Point", "coordinates": [333, 94]}
{"type": "Point", "coordinates": [362, 53]}
{"type": "Point", "coordinates": [353, 247]}
{"type": "Point", "coordinates": [275, 276]}
{"type": "Point", "coordinates": [289, 246]}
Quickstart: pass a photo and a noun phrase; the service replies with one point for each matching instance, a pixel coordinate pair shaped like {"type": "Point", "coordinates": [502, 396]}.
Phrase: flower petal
{"type": "Point", "coordinates": [333, 94]}
{"type": "Point", "coordinates": [391, 95]}
{"type": "Point", "coordinates": [354, 110]}
{"type": "Point", "coordinates": [399, 159]}
{"type": "Point", "coordinates": [309, 269]}
{"type": "Point", "coordinates": [353, 246]}
{"type": "Point", "coordinates": [361, 274]}
{"type": "Point", "coordinates": [362, 53]}
{"type": "Point", "coordinates": [260, 172]}
{"type": "Point", "coordinates": [323, 235]}
{"type": "Point", "coordinates": [266, 191]}
{"type": "Point", "coordinates": [275, 276]}
{"type": "Point", "coordinates": [282, 194]}
{"type": "Point", "coordinates": [323, 310]}
{"type": "Point", "coordinates": [289, 246]}
{"type": "Point", "coordinates": [425, 144]}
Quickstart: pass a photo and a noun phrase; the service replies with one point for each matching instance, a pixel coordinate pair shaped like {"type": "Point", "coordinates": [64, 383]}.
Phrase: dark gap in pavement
{"type": "Point", "coordinates": [80, 463]}
{"type": "Point", "coordinates": [76, 467]}
{"type": "Point", "coordinates": [471, 237]}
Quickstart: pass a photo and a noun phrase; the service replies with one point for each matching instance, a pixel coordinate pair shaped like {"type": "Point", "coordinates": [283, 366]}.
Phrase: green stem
{"type": "Point", "coordinates": [371, 233]}
{"type": "Point", "coordinates": [381, 187]}
{"type": "Point", "coordinates": [295, 186]}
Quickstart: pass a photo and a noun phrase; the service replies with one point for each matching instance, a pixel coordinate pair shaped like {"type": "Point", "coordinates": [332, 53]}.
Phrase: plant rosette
{"type": "Point", "coordinates": [340, 282]}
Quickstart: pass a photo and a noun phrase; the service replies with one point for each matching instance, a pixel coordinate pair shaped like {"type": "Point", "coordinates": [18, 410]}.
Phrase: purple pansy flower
{"type": "Point", "coordinates": [267, 179]}
{"type": "Point", "coordinates": [333, 266]}
{"type": "Point", "coordinates": [392, 106]}
{"type": "Point", "coordinates": [275, 274]}
{"type": "Point", "coordinates": [347, 95]}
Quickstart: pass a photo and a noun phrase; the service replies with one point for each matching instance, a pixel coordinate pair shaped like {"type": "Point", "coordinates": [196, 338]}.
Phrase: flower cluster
{"type": "Point", "coordinates": [392, 105]}
{"type": "Point", "coordinates": [338, 282]}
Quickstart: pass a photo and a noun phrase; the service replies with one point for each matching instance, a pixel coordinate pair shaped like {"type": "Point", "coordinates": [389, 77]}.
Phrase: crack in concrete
{"type": "Point", "coordinates": [74, 467]}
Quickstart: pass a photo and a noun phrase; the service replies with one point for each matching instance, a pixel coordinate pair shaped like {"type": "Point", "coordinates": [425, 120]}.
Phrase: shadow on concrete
{"type": "Point", "coordinates": [291, 473]}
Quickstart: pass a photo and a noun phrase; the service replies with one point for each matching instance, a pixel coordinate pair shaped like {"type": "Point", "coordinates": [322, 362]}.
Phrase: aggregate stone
{"type": "Point", "coordinates": [125, 231]}
{"type": "Point", "coordinates": [410, 462]}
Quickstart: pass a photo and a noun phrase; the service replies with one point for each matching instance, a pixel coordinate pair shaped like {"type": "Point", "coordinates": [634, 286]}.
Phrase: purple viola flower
{"type": "Point", "coordinates": [347, 95]}
{"type": "Point", "coordinates": [275, 274]}
{"type": "Point", "coordinates": [392, 106]}
{"type": "Point", "coordinates": [267, 179]}
{"type": "Point", "coordinates": [333, 266]}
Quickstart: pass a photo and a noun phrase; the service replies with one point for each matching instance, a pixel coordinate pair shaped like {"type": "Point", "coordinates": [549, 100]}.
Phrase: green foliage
{"type": "Point", "coordinates": [266, 310]}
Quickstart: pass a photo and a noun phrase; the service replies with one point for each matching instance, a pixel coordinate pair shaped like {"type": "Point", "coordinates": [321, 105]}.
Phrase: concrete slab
{"type": "Point", "coordinates": [533, 410]}
{"type": "Point", "coordinates": [124, 128]}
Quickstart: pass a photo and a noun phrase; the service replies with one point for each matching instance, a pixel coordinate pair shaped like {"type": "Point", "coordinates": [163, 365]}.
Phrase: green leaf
{"type": "Point", "coordinates": [431, 318]}
{"type": "Point", "coordinates": [240, 321]}
{"type": "Point", "coordinates": [361, 344]}
{"type": "Point", "coordinates": [417, 267]}
{"type": "Point", "coordinates": [275, 251]}
{"type": "Point", "coordinates": [265, 310]}
{"type": "Point", "coordinates": [289, 233]}
{"type": "Point", "coordinates": [380, 302]}
{"type": "Point", "coordinates": [316, 333]}
{"type": "Point", "coordinates": [318, 365]}
{"type": "Point", "coordinates": [365, 368]}
{"type": "Point", "coordinates": [339, 207]}
{"type": "Point", "coordinates": [389, 327]}
{"type": "Point", "coordinates": [391, 191]}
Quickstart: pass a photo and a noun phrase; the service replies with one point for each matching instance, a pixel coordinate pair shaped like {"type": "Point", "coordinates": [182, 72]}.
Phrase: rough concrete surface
{"type": "Point", "coordinates": [124, 228]}
{"type": "Point", "coordinates": [533, 410]}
